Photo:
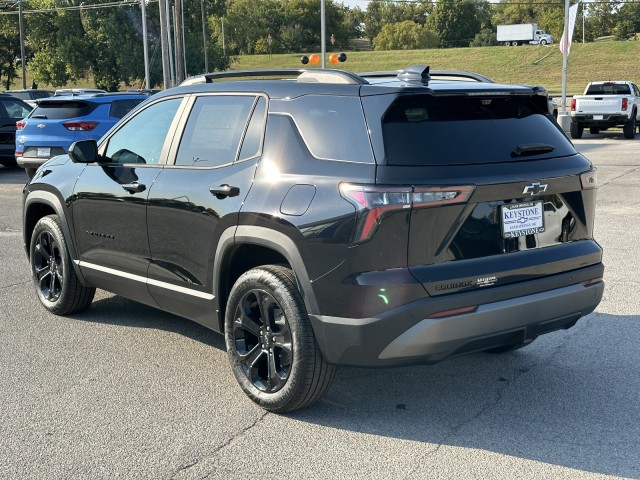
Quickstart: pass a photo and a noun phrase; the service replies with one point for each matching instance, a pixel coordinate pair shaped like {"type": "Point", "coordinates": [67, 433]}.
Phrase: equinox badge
{"type": "Point", "coordinates": [536, 188]}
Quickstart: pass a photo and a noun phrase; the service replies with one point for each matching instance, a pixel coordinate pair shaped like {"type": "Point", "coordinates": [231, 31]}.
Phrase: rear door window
{"type": "Point", "coordinates": [119, 108]}
{"type": "Point", "coordinates": [62, 109]}
{"type": "Point", "coordinates": [16, 109]}
{"type": "Point", "coordinates": [460, 130]}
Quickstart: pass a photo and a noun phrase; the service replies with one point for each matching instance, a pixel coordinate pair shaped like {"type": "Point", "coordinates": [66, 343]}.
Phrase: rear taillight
{"type": "Point", "coordinates": [20, 125]}
{"type": "Point", "coordinates": [80, 126]}
{"type": "Point", "coordinates": [573, 104]}
{"type": "Point", "coordinates": [372, 202]}
{"type": "Point", "coordinates": [625, 104]}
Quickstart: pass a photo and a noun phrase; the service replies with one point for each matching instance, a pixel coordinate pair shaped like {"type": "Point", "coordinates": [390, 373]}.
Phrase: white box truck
{"type": "Point", "coordinates": [521, 34]}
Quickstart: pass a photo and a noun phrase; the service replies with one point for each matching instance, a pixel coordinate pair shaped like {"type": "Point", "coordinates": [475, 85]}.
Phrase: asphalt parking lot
{"type": "Point", "coordinates": [126, 391]}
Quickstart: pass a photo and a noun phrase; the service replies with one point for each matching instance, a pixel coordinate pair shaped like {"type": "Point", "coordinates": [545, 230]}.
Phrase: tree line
{"type": "Point", "coordinates": [70, 40]}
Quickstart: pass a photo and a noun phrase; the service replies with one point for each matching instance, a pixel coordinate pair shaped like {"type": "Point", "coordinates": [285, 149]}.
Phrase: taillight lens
{"type": "Point", "coordinates": [625, 103]}
{"type": "Point", "coordinates": [372, 202]}
{"type": "Point", "coordinates": [573, 104]}
{"type": "Point", "coordinates": [80, 126]}
{"type": "Point", "coordinates": [20, 125]}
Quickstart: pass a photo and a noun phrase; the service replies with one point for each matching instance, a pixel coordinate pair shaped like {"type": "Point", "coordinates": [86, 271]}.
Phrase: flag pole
{"type": "Point", "coordinates": [565, 59]}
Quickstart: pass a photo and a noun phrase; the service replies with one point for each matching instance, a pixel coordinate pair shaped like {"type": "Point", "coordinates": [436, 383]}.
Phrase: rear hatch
{"type": "Point", "coordinates": [497, 194]}
{"type": "Point", "coordinates": [54, 125]}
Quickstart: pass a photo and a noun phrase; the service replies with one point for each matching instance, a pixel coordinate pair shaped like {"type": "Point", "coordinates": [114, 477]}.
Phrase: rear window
{"type": "Point", "coordinates": [461, 130]}
{"type": "Point", "coordinates": [61, 109]}
{"type": "Point", "coordinates": [119, 108]}
{"type": "Point", "coordinates": [609, 89]}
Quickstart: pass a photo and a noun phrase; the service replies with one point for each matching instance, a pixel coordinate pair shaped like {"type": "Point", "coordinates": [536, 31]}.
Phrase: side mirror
{"type": "Point", "coordinates": [84, 151]}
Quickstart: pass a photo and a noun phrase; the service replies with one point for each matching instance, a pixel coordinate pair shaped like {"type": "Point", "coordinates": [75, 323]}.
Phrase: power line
{"type": "Point", "coordinates": [94, 6]}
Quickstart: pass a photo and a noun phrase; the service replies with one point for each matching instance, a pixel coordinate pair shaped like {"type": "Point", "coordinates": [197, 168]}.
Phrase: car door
{"type": "Point", "coordinates": [196, 200]}
{"type": "Point", "coordinates": [110, 201]}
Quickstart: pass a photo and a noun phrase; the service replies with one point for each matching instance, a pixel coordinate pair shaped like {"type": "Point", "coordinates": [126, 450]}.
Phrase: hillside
{"type": "Point", "coordinates": [531, 65]}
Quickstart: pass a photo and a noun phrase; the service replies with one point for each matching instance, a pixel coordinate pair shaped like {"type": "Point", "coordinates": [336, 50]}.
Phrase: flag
{"type": "Point", "coordinates": [573, 13]}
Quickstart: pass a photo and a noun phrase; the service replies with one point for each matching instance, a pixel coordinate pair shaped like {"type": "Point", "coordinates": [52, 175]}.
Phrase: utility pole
{"type": "Point", "coordinates": [164, 37]}
{"type": "Point", "coordinates": [177, 30]}
{"type": "Point", "coordinates": [22, 59]}
{"type": "Point", "coordinates": [323, 39]}
{"type": "Point", "coordinates": [204, 38]}
{"type": "Point", "coordinates": [147, 80]}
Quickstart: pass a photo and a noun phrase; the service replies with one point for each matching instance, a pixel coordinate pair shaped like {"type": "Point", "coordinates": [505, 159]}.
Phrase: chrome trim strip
{"type": "Point", "coordinates": [148, 281]}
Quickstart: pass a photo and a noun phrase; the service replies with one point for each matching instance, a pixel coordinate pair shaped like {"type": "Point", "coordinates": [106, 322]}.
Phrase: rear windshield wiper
{"type": "Point", "coordinates": [40, 116]}
{"type": "Point", "coordinates": [532, 149]}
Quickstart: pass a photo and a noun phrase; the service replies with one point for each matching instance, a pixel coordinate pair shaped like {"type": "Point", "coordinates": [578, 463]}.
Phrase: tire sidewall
{"type": "Point", "coordinates": [296, 316]}
{"type": "Point", "coordinates": [51, 224]}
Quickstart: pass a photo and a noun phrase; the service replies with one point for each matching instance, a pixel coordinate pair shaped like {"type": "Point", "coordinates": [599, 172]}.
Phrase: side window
{"type": "Point", "coordinates": [253, 137]}
{"type": "Point", "coordinates": [214, 130]}
{"type": "Point", "coordinates": [15, 109]}
{"type": "Point", "coordinates": [141, 139]}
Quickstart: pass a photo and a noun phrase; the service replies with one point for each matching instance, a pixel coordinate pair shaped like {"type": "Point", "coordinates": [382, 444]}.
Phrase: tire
{"type": "Point", "coordinates": [270, 343]}
{"type": "Point", "coordinates": [543, 42]}
{"type": "Point", "coordinates": [576, 130]}
{"type": "Point", "coordinates": [56, 283]}
{"type": "Point", "coordinates": [515, 44]}
{"type": "Point", "coordinates": [507, 44]}
{"type": "Point", "coordinates": [629, 128]}
{"type": "Point", "coordinates": [594, 130]}
{"type": "Point", "coordinates": [30, 172]}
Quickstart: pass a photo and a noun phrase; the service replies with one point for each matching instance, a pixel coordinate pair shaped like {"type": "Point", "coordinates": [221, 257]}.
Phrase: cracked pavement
{"type": "Point", "coordinates": [126, 391]}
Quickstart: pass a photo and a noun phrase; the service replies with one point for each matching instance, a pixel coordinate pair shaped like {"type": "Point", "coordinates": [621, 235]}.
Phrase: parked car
{"type": "Point", "coordinates": [77, 91]}
{"type": "Point", "coordinates": [57, 122]}
{"type": "Point", "coordinates": [327, 218]}
{"type": "Point", "coordinates": [30, 96]}
{"type": "Point", "coordinates": [12, 109]}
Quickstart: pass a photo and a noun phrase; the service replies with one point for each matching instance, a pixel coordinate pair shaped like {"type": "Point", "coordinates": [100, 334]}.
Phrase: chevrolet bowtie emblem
{"type": "Point", "coordinates": [536, 188]}
{"type": "Point", "coordinates": [40, 125]}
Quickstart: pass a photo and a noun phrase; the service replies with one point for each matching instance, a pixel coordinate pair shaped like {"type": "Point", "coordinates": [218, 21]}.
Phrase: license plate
{"type": "Point", "coordinates": [521, 219]}
{"type": "Point", "coordinates": [43, 152]}
{"type": "Point", "coordinates": [598, 117]}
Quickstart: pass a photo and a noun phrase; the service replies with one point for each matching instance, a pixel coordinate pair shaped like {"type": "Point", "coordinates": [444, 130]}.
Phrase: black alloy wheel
{"type": "Point", "coordinates": [47, 266]}
{"type": "Point", "coordinates": [270, 343]}
{"type": "Point", "coordinates": [54, 278]}
{"type": "Point", "coordinates": [262, 339]}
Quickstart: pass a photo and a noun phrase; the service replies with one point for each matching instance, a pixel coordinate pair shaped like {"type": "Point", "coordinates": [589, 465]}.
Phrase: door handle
{"type": "Point", "coordinates": [134, 187]}
{"type": "Point", "coordinates": [224, 191]}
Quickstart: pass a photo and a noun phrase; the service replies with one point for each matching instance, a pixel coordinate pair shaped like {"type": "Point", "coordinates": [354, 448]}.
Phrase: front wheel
{"type": "Point", "coordinates": [629, 128]}
{"type": "Point", "coordinates": [54, 278]}
{"type": "Point", "coordinates": [543, 42]}
{"type": "Point", "coordinates": [270, 343]}
{"type": "Point", "coordinates": [576, 130]}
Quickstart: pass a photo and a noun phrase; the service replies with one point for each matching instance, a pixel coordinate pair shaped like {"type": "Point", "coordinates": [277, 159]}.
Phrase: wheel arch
{"type": "Point", "coordinates": [247, 247]}
{"type": "Point", "coordinates": [39, 204]}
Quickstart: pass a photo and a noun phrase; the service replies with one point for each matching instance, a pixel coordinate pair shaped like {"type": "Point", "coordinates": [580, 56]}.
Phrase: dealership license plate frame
{"type": "Point", "coordinates": [43, 152]}
{"type": "Point", "coordinates": [526, 218]}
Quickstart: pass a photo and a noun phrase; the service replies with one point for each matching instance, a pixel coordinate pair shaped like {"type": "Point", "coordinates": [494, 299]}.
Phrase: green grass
{"type": "Point", "coordinates": [531, 65]}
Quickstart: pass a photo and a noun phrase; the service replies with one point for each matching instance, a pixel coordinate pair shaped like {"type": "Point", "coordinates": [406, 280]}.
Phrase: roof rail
{"type": "Point", "coordinates": [301, 74]}
{"type": "Point", "coordinates": [462, 75]}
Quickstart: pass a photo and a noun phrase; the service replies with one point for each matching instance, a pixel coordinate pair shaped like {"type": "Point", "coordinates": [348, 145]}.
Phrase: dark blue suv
{"type": "Point", "coordinates": [57, 122]}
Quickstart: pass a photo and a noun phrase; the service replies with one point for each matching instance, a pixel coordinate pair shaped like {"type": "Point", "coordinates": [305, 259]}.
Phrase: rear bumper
{"type": "Point", "coordinates": [508, 315]}
{"type": "Point", "coordinates": [606, 121]}
{"type": "Point", "coordinates": [30, 162]}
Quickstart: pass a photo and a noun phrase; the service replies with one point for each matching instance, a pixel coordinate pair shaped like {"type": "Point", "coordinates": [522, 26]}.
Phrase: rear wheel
{"type": "Point", "coordinates": [515, 44]}
{"type": "Point", "coordinates": [594, 130]}
{"type": "Point", "coordinates": [54, 278]}
{"type": "Point", "coordinates": [576, 130]}
{"type": "Point", "coordinates": [271, 346]}
{"type": "Point", "coordinates": [629, 128]}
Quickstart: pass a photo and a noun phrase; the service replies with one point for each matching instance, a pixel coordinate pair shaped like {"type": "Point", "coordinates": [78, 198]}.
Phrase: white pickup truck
{"type": "Point", "coordinates": [605, 105]}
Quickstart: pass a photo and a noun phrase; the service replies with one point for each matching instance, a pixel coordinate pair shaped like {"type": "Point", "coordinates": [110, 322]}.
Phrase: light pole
{"type": "Point", "coordinates": [204, 38]}
{"type": "Point", "coordinates": [323, 38]}
{"type": "Point", "coordinates": [147, 80]}
{"type": "Point", "coordinates": [22, 60]}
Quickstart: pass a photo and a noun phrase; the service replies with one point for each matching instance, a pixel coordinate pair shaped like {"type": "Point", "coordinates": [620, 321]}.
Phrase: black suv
{"type": "Point", "coordinates": [321, 218]}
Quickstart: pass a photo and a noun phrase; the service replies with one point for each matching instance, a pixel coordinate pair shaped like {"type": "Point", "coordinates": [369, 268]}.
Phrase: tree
{"type": "Point", "coordinates": [456, 22]}
{"type": "Point", "coordinates": [484, 38]}
{"type": "Point", "coordinates": [382, 12]}
{"type": "Point", "coordinates": [406, 35]}
{"type": "Point", "coordinates": [9, 48]}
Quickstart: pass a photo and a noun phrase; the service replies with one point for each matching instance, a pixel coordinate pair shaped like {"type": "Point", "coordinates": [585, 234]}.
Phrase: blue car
{"type": "Point", "coordinates": [57, 122]}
